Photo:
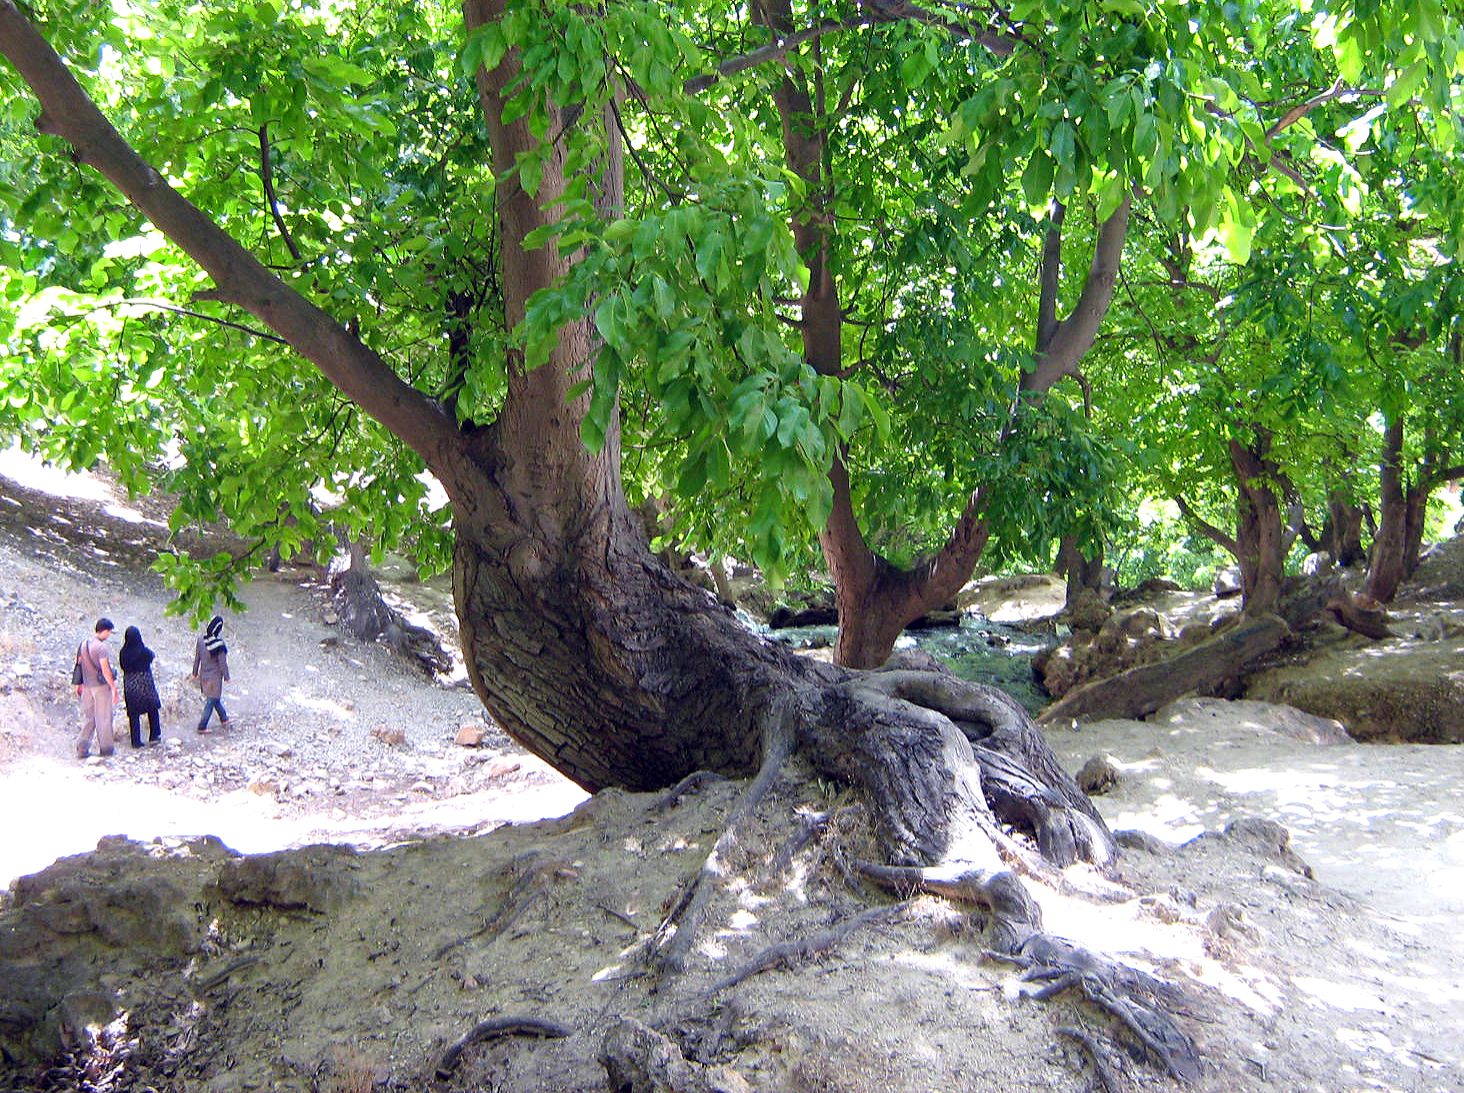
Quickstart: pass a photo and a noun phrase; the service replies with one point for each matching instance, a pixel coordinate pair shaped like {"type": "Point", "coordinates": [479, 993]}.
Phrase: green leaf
{"type": "Point", "coordinates": [1037, 178]}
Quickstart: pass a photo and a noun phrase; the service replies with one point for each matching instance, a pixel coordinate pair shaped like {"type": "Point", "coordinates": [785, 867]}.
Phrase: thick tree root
{"type": "Point", "coordinates": [788, 953]}
{"type": "Point", "coordinates": [1140, 691]}
{"type": "Point", "coordinates": [1021, 781]}
{"type": "Point", "coordinates": [493, 1028]}
{"type": "Point", "coordinates": [1016, 916]}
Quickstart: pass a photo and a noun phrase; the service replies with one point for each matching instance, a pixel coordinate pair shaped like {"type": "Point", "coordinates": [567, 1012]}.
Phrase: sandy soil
{"type": "Point", "coordinates": [1351, 979]}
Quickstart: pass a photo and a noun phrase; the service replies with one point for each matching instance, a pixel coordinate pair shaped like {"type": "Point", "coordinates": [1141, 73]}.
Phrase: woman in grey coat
{"type": "Point", "coordinates": [211, 669]}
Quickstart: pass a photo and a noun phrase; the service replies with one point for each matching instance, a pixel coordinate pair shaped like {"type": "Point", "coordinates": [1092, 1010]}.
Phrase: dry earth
{"type": "Point", "coordinates": [341, 969]}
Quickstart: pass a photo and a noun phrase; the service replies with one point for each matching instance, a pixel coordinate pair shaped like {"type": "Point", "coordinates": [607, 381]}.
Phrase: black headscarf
{"type": "Point", "coordinates": [135, 656]}
{"type": "Point", "coordinates": [213, 636]}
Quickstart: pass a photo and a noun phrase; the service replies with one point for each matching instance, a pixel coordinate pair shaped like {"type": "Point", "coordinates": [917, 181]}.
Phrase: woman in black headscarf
{"type": "Point", "coordinates": [138, 687]}
{"type": "Point", "coordinates": [211, 669]}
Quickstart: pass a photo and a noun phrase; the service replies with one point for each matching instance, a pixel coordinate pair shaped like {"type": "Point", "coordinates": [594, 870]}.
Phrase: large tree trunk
{"type": "Point", "coordinates": [1260, 536]}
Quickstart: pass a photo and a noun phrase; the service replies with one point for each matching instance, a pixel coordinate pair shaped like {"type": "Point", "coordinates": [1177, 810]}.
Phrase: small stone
{"type": "Point", "coordinates": [1098, 775]}
{"type": "Point", "coordinates": [470, 736]}
{"type": "Point", "coordinates": [500, 767]}
{"type": "Point", "coordinates": [422, 787]}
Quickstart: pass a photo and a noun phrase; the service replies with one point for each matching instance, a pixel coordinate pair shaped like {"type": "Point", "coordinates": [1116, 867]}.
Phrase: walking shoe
{"type": "Point", "coordinates": [203, 730]}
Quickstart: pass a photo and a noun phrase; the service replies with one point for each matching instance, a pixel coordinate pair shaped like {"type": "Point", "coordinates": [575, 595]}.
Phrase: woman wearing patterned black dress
{"type": "Point", "coordinates": [138, 687]}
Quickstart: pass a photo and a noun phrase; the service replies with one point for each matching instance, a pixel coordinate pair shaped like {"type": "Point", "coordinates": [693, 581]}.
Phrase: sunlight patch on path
{"type": "Point", "coordinates": [52, 810]}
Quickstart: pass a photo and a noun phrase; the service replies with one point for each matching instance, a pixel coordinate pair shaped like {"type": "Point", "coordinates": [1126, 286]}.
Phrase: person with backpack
{"type": "Point", "coordinates": [139, 688]}
{"type": "Point", "coordinates": [96, 686]}
{"type": "Point", "coordinates": [211, 669]}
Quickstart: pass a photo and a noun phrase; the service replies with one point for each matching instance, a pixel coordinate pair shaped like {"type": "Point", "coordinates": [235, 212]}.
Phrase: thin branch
{"type": "Point", "coordinates": [158, 305]}
{"type": "Point", "coordinates": [266, 176]}
{"type": "Point", "coordinates": [1049, 275]}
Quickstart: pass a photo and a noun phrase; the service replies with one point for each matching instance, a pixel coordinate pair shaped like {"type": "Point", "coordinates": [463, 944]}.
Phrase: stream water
{"type": "Point", "coordinates": [977, 649]}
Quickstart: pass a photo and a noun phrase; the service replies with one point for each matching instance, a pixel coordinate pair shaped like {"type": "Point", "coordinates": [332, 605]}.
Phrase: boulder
{"type": "Point", "coordinates": [1098, 775]}
{"type": "Point", "coordinates": [1228, 582]}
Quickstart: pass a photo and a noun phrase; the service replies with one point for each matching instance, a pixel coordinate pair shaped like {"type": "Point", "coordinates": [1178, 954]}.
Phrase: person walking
{"type": "Point", "coordinates": [211, 669]}
{"type": "Point", "coordinates": [97, 691]}
{"type": "Point", "coordinates": [139, 689]}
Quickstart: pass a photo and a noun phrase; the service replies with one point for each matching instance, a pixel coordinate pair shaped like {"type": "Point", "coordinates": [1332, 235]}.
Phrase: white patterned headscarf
{"type": "Point", "coordinates": [213, 636]}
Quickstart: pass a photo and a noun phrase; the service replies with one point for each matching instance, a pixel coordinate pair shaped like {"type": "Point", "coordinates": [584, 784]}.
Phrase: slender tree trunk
{"type": "Point", "coordinates": [1342, 535]}
{"type": "Point", "coordinates": [1386, 567]}
{"type": "Point", "coordinates": [1260, 536]}
{"type": "Point", "coordinates": [1083, 574]}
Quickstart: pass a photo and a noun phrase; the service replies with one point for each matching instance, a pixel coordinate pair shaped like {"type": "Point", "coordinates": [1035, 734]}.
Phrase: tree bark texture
{"type": "Point", "coordinates": [1385, 567]}
{"type": "Point", "coordinates": [1260, 536]}
{"type": "Point", "coordinates": [1342, 533]}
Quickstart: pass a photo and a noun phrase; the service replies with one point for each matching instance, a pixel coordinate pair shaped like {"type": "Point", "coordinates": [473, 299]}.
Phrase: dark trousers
{"type": "Point", "coordinates": [209, 706]}
{"type": "Point", "coordinates": [134, 723]}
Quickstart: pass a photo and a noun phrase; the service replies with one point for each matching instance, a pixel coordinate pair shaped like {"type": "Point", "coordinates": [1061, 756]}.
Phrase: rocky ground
{"type": "Point", "coordinates": [167, 961]}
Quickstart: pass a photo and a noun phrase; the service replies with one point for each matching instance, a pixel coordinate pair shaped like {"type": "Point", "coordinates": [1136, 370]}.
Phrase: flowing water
{"type": "Point", "coordinates": [977, 649]}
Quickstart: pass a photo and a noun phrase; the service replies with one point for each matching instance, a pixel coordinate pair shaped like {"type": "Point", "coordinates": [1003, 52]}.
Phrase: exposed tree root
{"type": "Point", "coordinates": [1106, 1079]}
{"type": "Point", "coordinates": [677, 932]}
{"type": "Point", "coordinates": [788, 953]}
{"type": "Point", "coordinates": [366, 614]}
{"type": "Point", "coordinates": [809, 825]}
{"type": "Point", "coordinates": [1017, 936]}
{"type": "Point", "coordinates": [1131, 997]}
{"type": "Point", "coordinates": [1016, 916]}
{"type": "Point", "coordinates": [1021, 782]}
{"type": "Point", "coordinates": [526, 892]}
{"type": "Point", "coordinates": [493, 1028]}
{"type": "Point", "coordinates": [1140, 691]}
{"type": "Point", "coordinates": [692, 782]}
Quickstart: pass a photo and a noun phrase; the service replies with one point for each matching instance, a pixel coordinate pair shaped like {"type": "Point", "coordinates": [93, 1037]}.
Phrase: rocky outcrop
{"type": "Point", "coordinates": [72, 931]}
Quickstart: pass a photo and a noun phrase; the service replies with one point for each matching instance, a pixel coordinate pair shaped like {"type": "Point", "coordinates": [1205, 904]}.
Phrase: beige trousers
{"type": "Point", "coordinates": [96, 719]}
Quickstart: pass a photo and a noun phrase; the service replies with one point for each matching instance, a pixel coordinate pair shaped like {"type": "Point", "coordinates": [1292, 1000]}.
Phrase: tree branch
{"type": "Point", "coordinates": [68, 112]}
{"type": "Point", "coordinates": [1049, 275]}
{"type": "Point", "coordinates": [877, 12]}
{"type": "Point", "coordinates": [1207, 529]}
{"type": "Point", "coordinates": [1074, 335]}
{"type": "Point", "coordinates": [266, 175]}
